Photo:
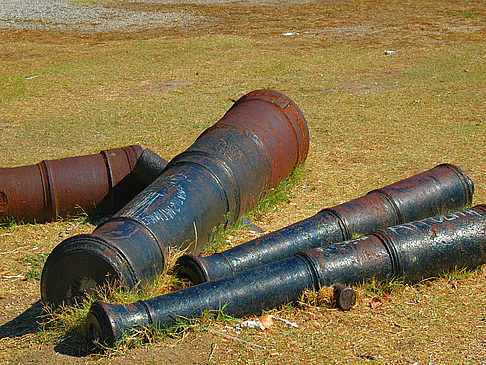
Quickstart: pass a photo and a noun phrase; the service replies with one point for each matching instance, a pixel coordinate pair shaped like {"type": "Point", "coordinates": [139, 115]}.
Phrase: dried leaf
{"type": "Point", "coordinates": [252, 324]}
{"type": "Point", "coordinates": [266, 321]}
{"type": "Point", "coordinates": [483, 269]}
{"type": "Point", "coordinates": [375, 303]}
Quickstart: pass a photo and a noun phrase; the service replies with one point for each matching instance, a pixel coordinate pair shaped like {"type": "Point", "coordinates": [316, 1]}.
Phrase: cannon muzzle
{"type": "Point", "coordinates": [256, 144]}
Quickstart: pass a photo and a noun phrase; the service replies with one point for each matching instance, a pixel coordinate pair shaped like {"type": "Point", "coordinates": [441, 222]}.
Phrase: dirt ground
{"type": "Point", "coordinates": [404, 27]}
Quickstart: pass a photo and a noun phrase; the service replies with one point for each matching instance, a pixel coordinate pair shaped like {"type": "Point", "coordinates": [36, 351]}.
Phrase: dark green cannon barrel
{"type": "Point", "coordinates": [411, 251]}
{"type": "Point", "coordinates": [444, 188]}
{"type": "Point", "coordinates": [256, 144]}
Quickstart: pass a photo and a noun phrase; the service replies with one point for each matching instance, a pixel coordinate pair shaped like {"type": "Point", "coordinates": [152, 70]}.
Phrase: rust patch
{"type": "Point", "coordinates": [3, 202]}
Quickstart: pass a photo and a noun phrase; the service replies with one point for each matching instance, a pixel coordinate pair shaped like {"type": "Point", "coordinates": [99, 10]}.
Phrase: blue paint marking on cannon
{"type": "Point", "coordinates": [256, 144]}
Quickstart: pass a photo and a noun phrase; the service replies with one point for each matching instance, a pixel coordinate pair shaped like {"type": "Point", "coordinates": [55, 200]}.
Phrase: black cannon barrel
{"type": "Point", "coordinates": [96, 184]}
{"type": "Point", "coordinates": [256, 144]}
{"type": "Point", "coordinates": [412, 251]}
{"type": "Point", "coordinates": [442, 189]}
{"type": "Point", "coordinates": [148, 167]}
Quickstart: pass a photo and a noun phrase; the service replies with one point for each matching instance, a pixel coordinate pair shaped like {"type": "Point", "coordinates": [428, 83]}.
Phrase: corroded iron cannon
{"type": "Point", "coordinates": [411, 251]}
{"type": "Point", "coordinates": [100, 183]}
{"type": "Point", "coordinates": [444, 188]}
{"type": "Point", "coordinates": [256, 144]}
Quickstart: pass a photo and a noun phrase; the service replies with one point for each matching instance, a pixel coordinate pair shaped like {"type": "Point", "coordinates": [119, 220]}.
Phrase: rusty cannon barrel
{"type": "Point", "coordinates": [100, 184]}
{"type": "Point", "coordinates": [442, 189]}
{"type": "Point", "coordinates": [412, 251]}
{"type": "Point", "coordinates": [256, 144]}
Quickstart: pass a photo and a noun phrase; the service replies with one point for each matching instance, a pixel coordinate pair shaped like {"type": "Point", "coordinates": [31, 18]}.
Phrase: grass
{"type": "Point", "coordinates": [220, 236]}
{"type": "Point", "coordinates": [277, 196]}
{"type": "Point", "coordinates": [66, 322]}
{"type": "Point", "coordinates": [373, 119]}
{"type": "Point", "coordinates": [35, 263]}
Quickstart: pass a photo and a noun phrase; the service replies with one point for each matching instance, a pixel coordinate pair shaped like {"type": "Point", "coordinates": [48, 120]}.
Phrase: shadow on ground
{"type": "Point", "coordinates": [25, 323]}
{"type": "Point", "coordinates": [73, 344]}
{"type": "Point", "coordinates": [28, 322]}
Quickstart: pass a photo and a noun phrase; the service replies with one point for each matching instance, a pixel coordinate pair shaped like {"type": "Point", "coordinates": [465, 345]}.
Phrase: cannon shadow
{"type": "Point", "coordinates": [72, 343]}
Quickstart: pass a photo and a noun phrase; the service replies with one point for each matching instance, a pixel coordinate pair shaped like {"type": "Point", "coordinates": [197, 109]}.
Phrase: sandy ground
{"type": "Point", "coordinates": [85, 18]}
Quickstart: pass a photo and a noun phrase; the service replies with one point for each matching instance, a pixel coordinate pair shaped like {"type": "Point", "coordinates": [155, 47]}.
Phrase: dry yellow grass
{"type": "Point", "coordinates": [374, 119]}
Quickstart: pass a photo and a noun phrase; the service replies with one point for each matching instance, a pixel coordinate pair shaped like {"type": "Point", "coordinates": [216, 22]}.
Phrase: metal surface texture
{"type": "Point", "coordinates": [149, 166]}
{"type": "Point", "coordinates": [412, 251]}
{"type": "Point", "coordinates": [53, 189]}
{"type": "Point", "coordinates": [344, 297]}
{"type": "Point", "coordinates": [441, 189]}
{"type": "Point", "coordinates": [256, 144]}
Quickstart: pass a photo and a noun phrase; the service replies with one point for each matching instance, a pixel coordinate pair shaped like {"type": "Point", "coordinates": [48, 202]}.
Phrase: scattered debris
{"type": "Point", "coordinates": [262, 323]}
{"type": "Point", "coordinates": [266, 321]}
{"type": "Point", "coordinates": [236, 338]}
{"type": "Point", "coordinates": [211, 353]}
{"type": "Point", "coordinates": [250, 324]}
{"type": "Point", "coordinates": [287, 34]}
{"type": "Point", "coordinates": [291, 324]}
{"type": "Point", "coordinates": [13, 276]}
{"type": "Point", "coordinates": [369, 357]}
{"type": "Point", "coordinates": [387, 51]}
{"type": "Point", "coordinates": [375, 303]}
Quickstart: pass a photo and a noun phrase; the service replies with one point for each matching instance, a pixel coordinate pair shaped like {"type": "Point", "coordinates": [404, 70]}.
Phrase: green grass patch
{"type": "Point", "coordinates": [374, 119]}
{"type": "Point", "coordinates": [375, 288]}
{"type": "Point", "coordinates": [35, 263]}
{"type": "Point", "coordinates": [276, 196]}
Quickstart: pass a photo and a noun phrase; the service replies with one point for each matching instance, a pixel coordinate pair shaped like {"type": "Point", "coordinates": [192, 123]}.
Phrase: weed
{"type": "Point", "coordinates": [324, 297]}
{"type": "Point", "coordinates": [71, 319]}
{"type": "Point", "coordinates": [219, 236]}
{"type": "Point", "coordinates": [153, 333]}
{"type": "Point", "coordinates": [35, 262]}
{"type": "Point", "coordinates": [375, 288]}
{"type": "Point", "coordinates": [7, 223]}
{"type": "Point", "coordinates": [82, 217]}
{"type": "Point", "coordinates": [276, 196]}
{"type": "Point", "coordinates": [140, 336]}
{"type": "Point", "coordinates": [213, 316]}
{"type": "Point", "coordinates": [469, 14]}
{"type": "Point", "coordinates": [65, 319]}
{"type": "Point", "coordinates": [457, 274]}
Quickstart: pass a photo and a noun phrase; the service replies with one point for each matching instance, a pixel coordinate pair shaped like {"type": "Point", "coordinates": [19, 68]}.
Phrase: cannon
{"type": "Point", "coordinates": [442, 189]}
{"type": "Point", "coordinates": [95, 184]}
{"type": "Point", "coordinates": [411, 251]}
{"type": "Point", "coordinates": [256, 144]}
